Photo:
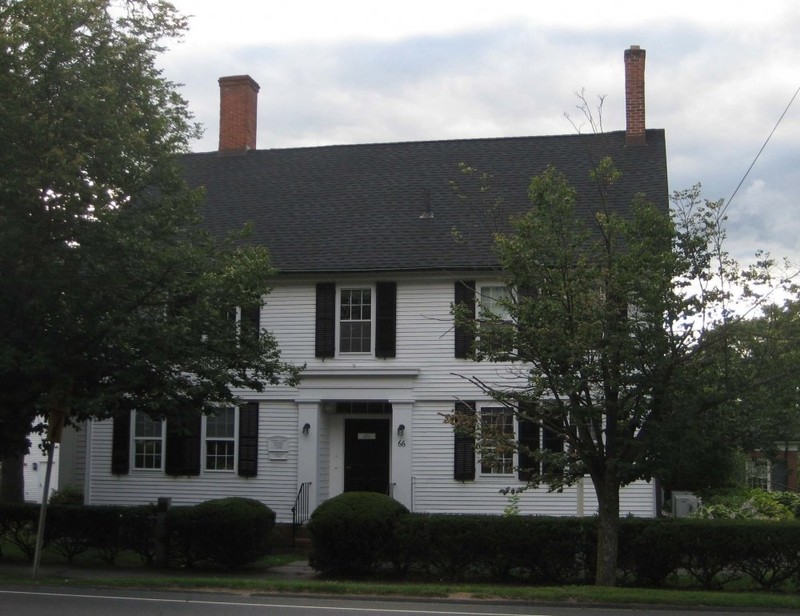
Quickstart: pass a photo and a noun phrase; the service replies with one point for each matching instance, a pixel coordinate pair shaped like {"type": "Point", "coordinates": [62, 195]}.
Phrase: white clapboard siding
{"type": "Point", "coordinates": [426, 374]}
{"type": "Point", "coordinates": [275, 484]}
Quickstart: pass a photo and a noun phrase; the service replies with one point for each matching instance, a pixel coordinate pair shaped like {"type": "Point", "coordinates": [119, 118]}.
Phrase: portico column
{"type": "Point", "coordinates": [401, 440]}
{"type": "Point", "coordinates": [308, 434]}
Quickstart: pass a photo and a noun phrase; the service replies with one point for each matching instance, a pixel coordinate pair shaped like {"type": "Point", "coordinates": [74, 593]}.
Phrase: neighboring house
{"type": "Point", "coordinates": [35, 469]}
{"type": "Point", "coordinates": [778, 472]}
{"type": "Point", "coordinates": [372, 247]}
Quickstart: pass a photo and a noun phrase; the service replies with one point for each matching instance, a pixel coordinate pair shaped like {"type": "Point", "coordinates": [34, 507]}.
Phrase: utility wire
{"type": "Point", "coordinates": [725, 207]}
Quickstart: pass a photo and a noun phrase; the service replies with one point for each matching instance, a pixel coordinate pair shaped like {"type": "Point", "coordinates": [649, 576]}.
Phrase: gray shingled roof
{"type": "Point", "coordinates": [357, 207]}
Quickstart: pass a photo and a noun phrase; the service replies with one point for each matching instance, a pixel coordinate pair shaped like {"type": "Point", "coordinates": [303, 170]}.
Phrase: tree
{"type": "Point", "coordinates": [622, 327]}
{"type": "Point", "coordinates": [111, 295]}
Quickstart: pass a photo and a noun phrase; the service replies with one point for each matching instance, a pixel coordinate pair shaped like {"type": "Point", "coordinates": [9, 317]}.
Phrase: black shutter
{"type": "Point", "coordinates": [248, 439]}
{"type": "Point", "coordinates": [464, 338]}
{"type": "Point", "coordinates": [250, 322]}
{"type": "Point", "coordinates": [385, 319]}
{"type": "Point", "coordinates": [183, 446]}
{"type": "Point", "coordinates": [121, 444]}
{"type": "Point", "coordinates": [528, 432]}
{"type": "Point", "coordinates": [464, 442]}
{"type": "Point", "coordinates": [325, 332]}
{"type": "Point", "coordinates": [552, 442]}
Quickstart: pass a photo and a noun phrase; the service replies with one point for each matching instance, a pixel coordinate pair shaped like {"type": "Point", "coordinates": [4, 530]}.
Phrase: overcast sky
{"type": "Point", "coordinates": [718, 77]}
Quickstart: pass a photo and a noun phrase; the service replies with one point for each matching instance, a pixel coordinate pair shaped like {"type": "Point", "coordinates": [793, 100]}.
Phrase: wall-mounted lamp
{"type": "Point", "coordinates": [307, 428]}
{"type": "Point", "coordinates": [401, 430]}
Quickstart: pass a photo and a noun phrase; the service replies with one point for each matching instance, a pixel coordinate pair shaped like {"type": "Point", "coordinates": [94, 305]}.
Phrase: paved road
{"type": "Point", "coordinates": [45, 601]}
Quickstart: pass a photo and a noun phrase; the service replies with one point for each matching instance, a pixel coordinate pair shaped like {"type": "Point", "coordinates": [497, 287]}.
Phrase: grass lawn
{"type": "Point", "coordinates": [130, 572]}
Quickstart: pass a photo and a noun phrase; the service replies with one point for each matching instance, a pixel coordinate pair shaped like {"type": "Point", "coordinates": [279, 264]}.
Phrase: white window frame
{"type": "Point", "coordinates": [346, 288]}
{"type": "Point", "coordinates": [510, 461]}
{"type": "Point", "coordinates": [137, 439]}
{"type": "Point", "coordinates": [233, 440]}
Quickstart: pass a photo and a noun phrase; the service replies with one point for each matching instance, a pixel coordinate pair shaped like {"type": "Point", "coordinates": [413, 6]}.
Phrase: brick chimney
{"type": "Point", "coordinates": [634, 96]}
{"type": "Point", "coordinates": [238, 101]}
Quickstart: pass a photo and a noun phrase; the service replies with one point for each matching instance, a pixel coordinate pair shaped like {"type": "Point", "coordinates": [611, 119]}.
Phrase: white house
{"type": "Point", "coordinates": [372, 247]}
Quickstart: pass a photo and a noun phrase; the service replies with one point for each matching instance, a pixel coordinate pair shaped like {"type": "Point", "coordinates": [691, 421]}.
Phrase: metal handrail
{"type": "Point", "coordinates": [300, 511]}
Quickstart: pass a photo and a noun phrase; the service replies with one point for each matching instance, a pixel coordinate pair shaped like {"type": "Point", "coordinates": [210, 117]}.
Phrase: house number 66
{"type": "Point", "coordinates": [401, 443]}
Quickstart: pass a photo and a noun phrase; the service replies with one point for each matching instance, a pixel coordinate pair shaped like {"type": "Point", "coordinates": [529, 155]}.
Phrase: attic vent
{"type": "Point", "coordinates": [427, 212]}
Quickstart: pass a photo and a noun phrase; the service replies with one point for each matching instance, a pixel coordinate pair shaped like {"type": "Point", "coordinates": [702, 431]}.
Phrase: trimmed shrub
{"type": "Point", "coordinates": [449, 547]}
{"type": "Point", "coordinates": [137, 527]}
{"type": "Point", "coordinates": [538, 550]}
{"type": "Point", "coordinates": [710, 550]}
{"type": "Point", "coordinates": [229, 532]}
{"type": "Point", "coordinates": [769, 552]}
{"type": "Point", "coordinates": [70, 529]}
{"type": "Point", "coordinates": [19, 525]}
{"type": "Point", "coordinates": [649, 550]}
{"type": "Point", "coordinates": [354, 533]}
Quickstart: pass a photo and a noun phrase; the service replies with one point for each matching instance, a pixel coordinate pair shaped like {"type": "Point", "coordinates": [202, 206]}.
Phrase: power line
{"type": "Point", "coordinates": [744, 177]}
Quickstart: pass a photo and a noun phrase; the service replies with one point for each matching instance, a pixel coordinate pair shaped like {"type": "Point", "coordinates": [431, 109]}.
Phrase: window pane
{"type": "Point", "coordinates": [219, 455]}
{"type": "Point", "coordinates": [220, 440]}
{"type": "Point", "coordinates": [497, 428]}
{"type": "Point", "coordinates": [490, 296]}
{"type": "Point", "coordinates": [221, 424]}
{"type": "Point", "coordinates": [147, 442]}
{"type": "Point", "coordinates": [147, 454]}
{"type": "Point", "coordinates": [355, 316]}
{"type": "Point", "coordinates": [355, 337]}
{"type": "Point", "coordinates": [145, 426]}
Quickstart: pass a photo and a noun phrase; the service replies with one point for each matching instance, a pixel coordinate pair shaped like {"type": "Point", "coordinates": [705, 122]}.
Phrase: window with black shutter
{"type": "Point", "coordinates": [248, 439]}
{"type": "Point", "coordinates": [464, 442]}
{"type": "Point", "coordinates": [386, 319]}
{"type": "Point", "coordinates": [464, 337]}
{"type": "Point", "coordinates": [325, 329]}
{"type": "Point", "coordinates": [354, 312]}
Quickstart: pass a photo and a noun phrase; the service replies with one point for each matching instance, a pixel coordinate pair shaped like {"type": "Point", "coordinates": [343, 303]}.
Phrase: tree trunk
{"type": "Point", "coordinates": [12, 480]}
{"type": "Point", "coordinates": [607, 530]}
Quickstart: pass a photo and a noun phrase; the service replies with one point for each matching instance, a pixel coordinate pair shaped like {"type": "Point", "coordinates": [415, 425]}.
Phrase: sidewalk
{"type": "Point", "coordinates": [11, 571]}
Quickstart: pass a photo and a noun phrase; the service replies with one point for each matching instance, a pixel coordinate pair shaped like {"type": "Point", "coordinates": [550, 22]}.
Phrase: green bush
{"type": "Point", "coordinates": [230, 532]}
{"type": "Point", "coordinates": [354, 533]}
{"type": "Point", "coordinates": [68, 495]}
{"type": "Point", "coordinates": [769, 552]}
{"type": "Point", "coordinates": [137, 527]}
{"type": "Point", "coordinates": [19, 525]}
{"type": "Point", "coordinates": [710, 550]}
{"type": "Point", "coordinates": [752, 504]}
{"type": "Point", "coordinates": [450, 547]}
{"type": "Point", "coordinates": [649, 550]}
{"type": "Point", "coordinates": [70, 529]}
{"type": "Point", "coordinates": [533, 549]}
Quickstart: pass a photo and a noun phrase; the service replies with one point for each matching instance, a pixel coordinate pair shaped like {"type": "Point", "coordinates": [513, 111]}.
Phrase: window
{"type": "Point", "coordinates": [148, 442]}
{"type": "Point", "coordinates": [535, 443]}
{"type": "Point", "coordinates": [355, 321]}
{"type": "Point", "coordinates": [497, 428]}
{"type": "Point", "coordinates": [758, 473]}
{"type": "Point", "coordinates": [185, 446]}
{"type": "Point", "coordinates": [220, 440]}
{"type": "Point", "coordinates": [491, 302]}
{"type": "Point", "coordinates": [495, 333]}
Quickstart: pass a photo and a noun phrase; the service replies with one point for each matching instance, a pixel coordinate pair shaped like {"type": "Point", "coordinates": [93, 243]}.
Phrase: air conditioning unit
{"type": "Point", "coordinates": [684, 503]}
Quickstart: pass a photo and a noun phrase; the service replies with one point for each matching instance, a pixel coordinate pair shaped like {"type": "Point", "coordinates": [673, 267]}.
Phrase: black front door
{"type": "Point", "coordinates": [366, 455]}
